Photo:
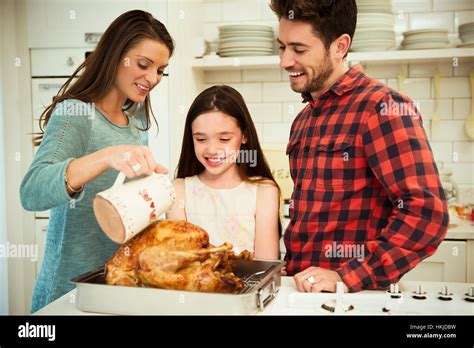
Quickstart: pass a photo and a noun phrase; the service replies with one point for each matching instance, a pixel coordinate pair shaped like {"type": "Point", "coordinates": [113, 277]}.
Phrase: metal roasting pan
{"type": "Point", "coordinates": [261, 279]}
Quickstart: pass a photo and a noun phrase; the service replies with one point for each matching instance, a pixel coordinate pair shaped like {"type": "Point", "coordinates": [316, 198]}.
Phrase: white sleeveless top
{"type": "Point", "coordinates": [227, 215]}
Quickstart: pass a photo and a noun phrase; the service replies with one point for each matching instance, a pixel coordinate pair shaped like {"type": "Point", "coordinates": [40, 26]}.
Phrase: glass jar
{"type": "Point", "coordinates": [449, 185]}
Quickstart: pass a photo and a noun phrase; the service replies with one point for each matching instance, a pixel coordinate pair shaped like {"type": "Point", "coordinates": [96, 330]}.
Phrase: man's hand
{"type": "Point", "coordinates": [323, 280]}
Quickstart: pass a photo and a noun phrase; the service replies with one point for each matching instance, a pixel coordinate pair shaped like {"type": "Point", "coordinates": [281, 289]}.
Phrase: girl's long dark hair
{"type": "Point", "coordinates": [229, 101]}
{"type": "Point", "coordinates": [100, 67]}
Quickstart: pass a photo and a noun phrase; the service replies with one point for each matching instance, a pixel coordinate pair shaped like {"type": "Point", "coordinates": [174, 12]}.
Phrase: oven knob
{"type": "Point", "coordinates": [394, 291]}
{"type": "Point", "coordinates": [419, 293]}
{"type": "Point", "coordinates": [445, 295]}
{"type": "Point", "coordinates": [470, 294]}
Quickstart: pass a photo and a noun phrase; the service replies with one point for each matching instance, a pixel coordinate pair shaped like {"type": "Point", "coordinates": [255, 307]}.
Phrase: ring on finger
{"type": "Point", "coordinates": [310, 279]}
{"type": "Point", "coordinates": [136, 167]}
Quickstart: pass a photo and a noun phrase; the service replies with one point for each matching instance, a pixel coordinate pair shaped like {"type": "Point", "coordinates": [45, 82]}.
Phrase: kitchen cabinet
{"type": "Point", "coordinates": [56, 61]}
{"type": "Point", "coordinates": [448, 264]}
{"type": "Point", "coordinates": [41, 230]}
{"type": "Point", "coordinates": [59, 23]}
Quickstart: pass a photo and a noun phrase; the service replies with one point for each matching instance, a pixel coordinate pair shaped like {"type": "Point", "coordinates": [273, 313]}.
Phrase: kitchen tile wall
{"type": "Point", "coordinates": [273, 105]}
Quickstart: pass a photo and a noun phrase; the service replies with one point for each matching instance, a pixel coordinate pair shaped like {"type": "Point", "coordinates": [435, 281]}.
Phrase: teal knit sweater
{"type": "Point", "coordinates": [75, 244]}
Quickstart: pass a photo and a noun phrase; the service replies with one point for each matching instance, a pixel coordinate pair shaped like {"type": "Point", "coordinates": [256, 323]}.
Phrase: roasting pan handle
{"type": "Point", "coordinates": [263, 302]}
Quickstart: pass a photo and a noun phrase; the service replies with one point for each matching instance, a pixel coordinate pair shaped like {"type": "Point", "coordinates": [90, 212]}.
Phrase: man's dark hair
{"type": "Point", "coordinates": [329, 18]}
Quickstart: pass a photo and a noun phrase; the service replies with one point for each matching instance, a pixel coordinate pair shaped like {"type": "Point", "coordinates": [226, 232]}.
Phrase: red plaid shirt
{"type": "Point", "coordinates": [367, 199]}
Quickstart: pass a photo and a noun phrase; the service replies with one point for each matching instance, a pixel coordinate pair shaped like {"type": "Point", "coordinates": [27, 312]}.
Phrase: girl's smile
{"type": "Point", "coordinates": [215, 136]}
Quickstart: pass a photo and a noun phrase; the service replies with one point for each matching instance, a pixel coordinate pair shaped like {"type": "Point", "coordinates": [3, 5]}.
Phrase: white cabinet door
{"type": "Point", "coordinates": [62, 62]}
{"type": "Point", "coordinates": [41, 229]}
{"type": "Point", "coordinates": [448, 264]}
{"type": "Point", "coordinates": [43, 91]}
{"type": "Point", "coordinates": [60, 23]}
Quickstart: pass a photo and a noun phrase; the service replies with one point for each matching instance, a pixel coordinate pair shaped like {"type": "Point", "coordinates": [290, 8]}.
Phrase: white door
{"type": "Point", "coordinates": [448, 264]}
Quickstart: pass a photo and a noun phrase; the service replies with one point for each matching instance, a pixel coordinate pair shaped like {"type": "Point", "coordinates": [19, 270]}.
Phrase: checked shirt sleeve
{"type": "Point", "coordinates": [400, 157]}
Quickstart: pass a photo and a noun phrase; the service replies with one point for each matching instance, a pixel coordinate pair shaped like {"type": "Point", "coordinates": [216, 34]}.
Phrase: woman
{"type": "Point", "coordinates": [89, 137]}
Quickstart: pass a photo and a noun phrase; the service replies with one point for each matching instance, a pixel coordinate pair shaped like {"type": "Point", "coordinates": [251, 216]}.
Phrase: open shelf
{"type": "Point", "coordinates": [212, 63]}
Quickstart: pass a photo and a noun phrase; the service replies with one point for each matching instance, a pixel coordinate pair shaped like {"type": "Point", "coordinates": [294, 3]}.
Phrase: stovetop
{"type": "Point", "coordinates": [404, 298]}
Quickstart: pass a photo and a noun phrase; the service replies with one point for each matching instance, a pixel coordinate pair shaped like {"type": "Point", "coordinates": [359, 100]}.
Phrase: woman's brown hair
{"type": "Point", "coordinates": [229, 101]}
{"type": "Point", "coordinates": [100, 67]}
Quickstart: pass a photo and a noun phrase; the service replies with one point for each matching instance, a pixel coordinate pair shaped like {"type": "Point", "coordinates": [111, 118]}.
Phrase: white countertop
{"type": "Point", "coordinates": [463, 230]}
{"type": "Point", "coordinates": [369, 302]}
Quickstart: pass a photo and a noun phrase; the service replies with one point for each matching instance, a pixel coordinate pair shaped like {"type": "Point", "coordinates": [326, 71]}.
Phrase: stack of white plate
{"type": "Point", "coordinates": [425, 39]}
{"type": "Point", "coordinates": [371, 6]}
{"type": "Point", "coordinates": [374, 32]}
{"type": "Point", "coordinates": [466, 34]}
{"type": "Point", "coordinates": [246, 40]}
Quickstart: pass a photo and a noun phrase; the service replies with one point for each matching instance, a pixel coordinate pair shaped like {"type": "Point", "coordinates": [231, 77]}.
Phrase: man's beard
{"type": "Point", "coordinates": [321, 75]}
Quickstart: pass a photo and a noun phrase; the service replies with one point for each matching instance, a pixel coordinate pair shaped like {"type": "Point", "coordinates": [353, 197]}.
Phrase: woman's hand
{"type": "Point", "coordinates": [133, 160]}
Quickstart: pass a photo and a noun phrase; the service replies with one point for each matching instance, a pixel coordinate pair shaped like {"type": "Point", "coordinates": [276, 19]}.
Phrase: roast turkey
{"type": "Point", "coordinates": [175, 255]}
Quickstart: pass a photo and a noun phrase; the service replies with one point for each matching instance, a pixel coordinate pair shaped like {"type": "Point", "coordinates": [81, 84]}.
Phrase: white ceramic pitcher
{"type": "Point", "coordinates": [125, 209]}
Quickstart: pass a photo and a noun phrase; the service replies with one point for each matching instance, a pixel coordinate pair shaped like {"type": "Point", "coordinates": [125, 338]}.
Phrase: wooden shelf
{"type": "Point", "coordinates": [213, 63]}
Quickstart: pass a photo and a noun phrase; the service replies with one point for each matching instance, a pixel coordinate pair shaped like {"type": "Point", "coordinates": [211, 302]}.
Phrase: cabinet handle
{"type": "Point", "coordinates": [49, 85]}
{"type": "Point", "coordinates": [70, 62]}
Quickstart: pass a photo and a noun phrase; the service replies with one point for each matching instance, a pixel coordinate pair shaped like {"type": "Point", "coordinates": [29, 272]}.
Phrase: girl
{"type": "Point", "coordinates": [89, 137]}
{"type": "Point", "coordinates": [223, 182]}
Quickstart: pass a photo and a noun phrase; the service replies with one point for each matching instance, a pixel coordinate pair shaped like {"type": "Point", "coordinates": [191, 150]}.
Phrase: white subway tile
{"type": "Point", "coordinates": [386, 71]}
{"type": "Point", "coordinates": [466, 193]}
{"type": "Point", "coordinates": [393, 83]}
{"type": "Point", "coordinates": [212, 11]}
{"type": "Point", "coordinates": [454, 87]}
{"type": "Point", "coordinates": [427, 128]}
{"type": "Point", "coordinates": [211, 32]}
{"type": "Point", "coordinates": [452, 5]}
{"type": "Point", "coordinates": [252, 92]}
{"type": "Point", "coordinates": [443, 20]}
{"type": "Point", "coordinates": [461, 17]}
{"type": "Point", "coordinates": [279, 92]}
{"type": "Point", "coordinates": [414, 88]}
{"type": "Point", "coordinates": [276, 133]}
{"type": "Point", "coordinates": [426, 108]}
{"type": "Point", "coordinates": [463, 152]}
{"type": "Point", "coordinates": [442, 151]}
{"type": "Point", "coordinates": [417, 88]}
{"type": "Point", "coordinates": [463, 69]}
{"type": "Point", "coordinates": [291, 110]}
{"type": "Point", "coordinates": [265, 112]}
{"type": "Point", "coordinates": [463, 173]}
{"type": "Point", "coordinates": [462, 108]}
{"type": "Point", "coordinates": [241, 10]}
{"type": "Point", "coordinates": [259, 128]}
{"type": "Point", "coordinates": [452, 131]}
{"type": "Point", "coordinates": [285, 76]}
{"type": "Point", "coordinates": [411, 6]}
{"type": "Point", "coordinates": [225, 76]}
{"type": "Point", "coordinates": [262, 75]}
{"type": "Point", "coordinates": [401, 22]}
{"type": "Point", "coordinates": [267, 12]}
{"type": "Point", "coordinates": [428, 70]}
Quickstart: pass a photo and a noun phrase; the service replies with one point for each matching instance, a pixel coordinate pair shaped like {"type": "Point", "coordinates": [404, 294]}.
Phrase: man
{"type": "Point", "coordinates": [368, 204]}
